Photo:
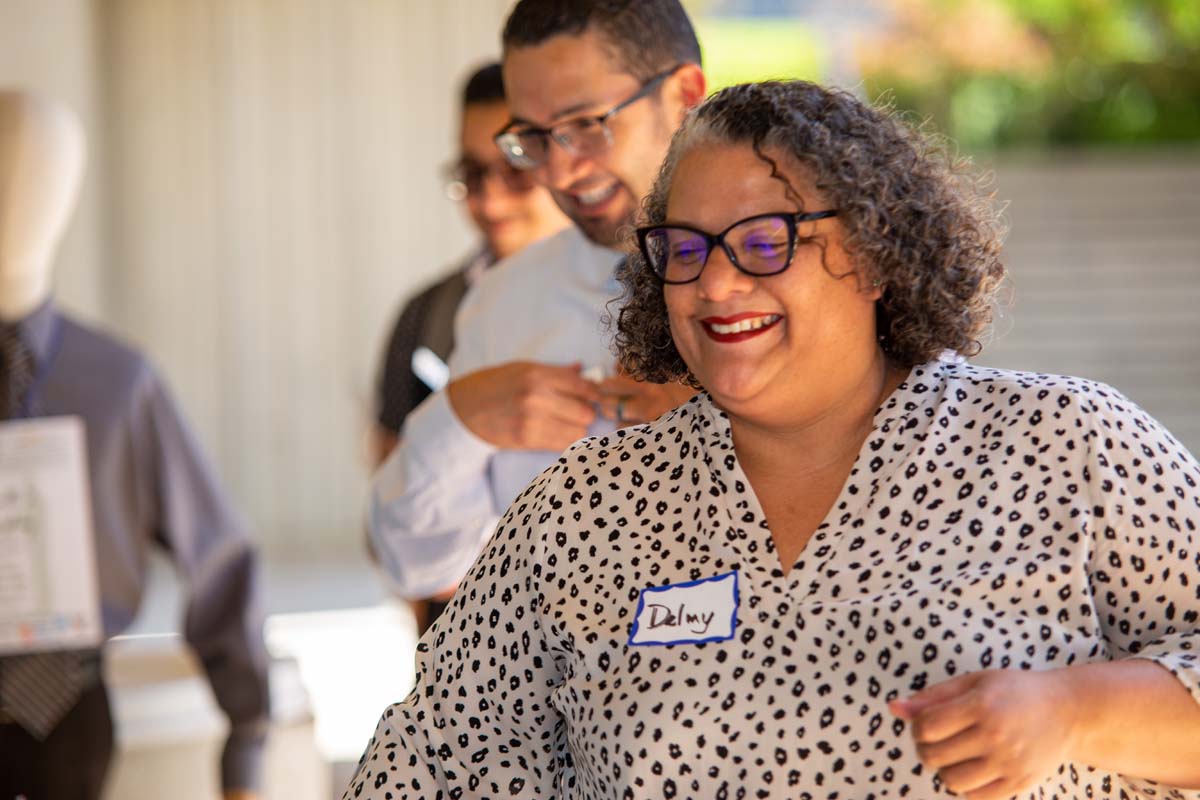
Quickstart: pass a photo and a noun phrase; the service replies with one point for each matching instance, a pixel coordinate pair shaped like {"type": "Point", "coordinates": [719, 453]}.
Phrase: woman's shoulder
{"type": "Point", "coordinates": [674, 432]}
{"type": "Point", "coordinates": [605, 461]}
{"type": "Point", "coordinates": [1002, 393]}
{"type": "Point", "coordinates": [606, 468]}
{"type": "Point", "coordinates": [968, 381]}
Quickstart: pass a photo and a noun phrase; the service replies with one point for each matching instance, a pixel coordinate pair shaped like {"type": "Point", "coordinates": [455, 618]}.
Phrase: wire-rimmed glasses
{"type": "Point", "coordinates": [529, 147]}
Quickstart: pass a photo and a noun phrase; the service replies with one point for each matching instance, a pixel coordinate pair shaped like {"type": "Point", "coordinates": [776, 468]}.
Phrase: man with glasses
{"type": "Point", "coordinates": [595, 90]}
{"type": "Point", "coordinates": [511, 211]}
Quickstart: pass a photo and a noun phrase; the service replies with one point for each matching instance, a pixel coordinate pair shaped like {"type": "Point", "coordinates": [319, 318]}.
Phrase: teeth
{"type": "Point", "coordinates": [596, 195]}
{"type": "Point", "coordinates": [749, 324]}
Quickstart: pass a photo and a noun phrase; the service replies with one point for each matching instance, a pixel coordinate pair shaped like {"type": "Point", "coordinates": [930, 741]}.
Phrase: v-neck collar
{"type": "Point", "coordinates": [744, 528]}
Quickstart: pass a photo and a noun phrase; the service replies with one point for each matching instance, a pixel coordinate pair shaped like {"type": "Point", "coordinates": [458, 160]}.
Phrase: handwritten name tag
{"type": "Point", "coordinates": [687, 613]}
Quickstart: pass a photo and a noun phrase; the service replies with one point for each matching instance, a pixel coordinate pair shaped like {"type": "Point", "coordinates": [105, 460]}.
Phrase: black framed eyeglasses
{"type": "Point", "coordinates": [467, 177]}
{"type": "Point", "coordinates": [760, 245]}
{"type": "Point", "coordinates": [529, 148]}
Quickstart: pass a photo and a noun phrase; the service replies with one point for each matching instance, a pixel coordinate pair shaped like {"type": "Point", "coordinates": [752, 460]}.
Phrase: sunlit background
{"type": "Point", "coordinates": [263, 193]}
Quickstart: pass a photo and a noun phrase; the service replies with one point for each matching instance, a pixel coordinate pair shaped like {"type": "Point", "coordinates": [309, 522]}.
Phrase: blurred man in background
{"type": "Point", "coordinates": [510, 210]}
{"type": "Point", "coordinates": [595, 91]}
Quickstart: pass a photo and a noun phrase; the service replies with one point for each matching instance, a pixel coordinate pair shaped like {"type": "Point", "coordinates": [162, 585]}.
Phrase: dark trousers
{"type": "Point", "coordinates": [70, 764]}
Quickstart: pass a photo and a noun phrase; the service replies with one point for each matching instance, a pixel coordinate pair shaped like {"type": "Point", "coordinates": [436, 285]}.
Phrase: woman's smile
{"type": "Point", "coordinates": [739, 327]}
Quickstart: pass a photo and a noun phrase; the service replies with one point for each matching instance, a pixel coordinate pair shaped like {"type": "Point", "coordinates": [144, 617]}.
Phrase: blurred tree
{"type": "Point", "coordinates": [754, 49]}
{"type": "Point", "coordinates": [1003, 73]}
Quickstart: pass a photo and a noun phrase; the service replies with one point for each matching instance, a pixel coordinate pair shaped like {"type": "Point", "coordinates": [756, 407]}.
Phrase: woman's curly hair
{"type": "Point", "coordinates": [916, 220]}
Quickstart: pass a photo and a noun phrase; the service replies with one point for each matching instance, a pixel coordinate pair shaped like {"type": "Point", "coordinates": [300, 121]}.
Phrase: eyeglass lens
{"type": "Point", "coordinates": [473, 175]}
{"type": "Point", "coordinates": [761, 246]}
{"type": "Point", "coordinates": [582, 137]}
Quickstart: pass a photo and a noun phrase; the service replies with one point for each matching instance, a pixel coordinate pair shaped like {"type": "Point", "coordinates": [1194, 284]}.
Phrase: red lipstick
{"type": "Point", "coordinates": [712, 326]}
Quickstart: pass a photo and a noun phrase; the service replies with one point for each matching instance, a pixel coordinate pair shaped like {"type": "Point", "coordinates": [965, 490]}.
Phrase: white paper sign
{"type": "Point", "coordinates": [687, 613]}
{"type": "Point", "coordinates": [49, 598]}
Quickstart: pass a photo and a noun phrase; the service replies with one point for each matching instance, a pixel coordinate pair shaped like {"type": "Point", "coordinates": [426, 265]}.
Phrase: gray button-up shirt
{"type": "Point", "coordinates": [150, 484]}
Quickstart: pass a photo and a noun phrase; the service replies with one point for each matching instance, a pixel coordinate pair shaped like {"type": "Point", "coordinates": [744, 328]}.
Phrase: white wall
{"type": "Point", "coordinates": [1104, 255]}
{"type": "Point", "coordinates": [49, 46]}
{"type": "Point", "coordinates": [277, 195]}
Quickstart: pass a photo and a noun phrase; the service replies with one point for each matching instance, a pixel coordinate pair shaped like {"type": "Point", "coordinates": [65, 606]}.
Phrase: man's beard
{"type": "Point", "coordinates": [606, 233]}
{"type": "Point", "coordinates": [602, 230]}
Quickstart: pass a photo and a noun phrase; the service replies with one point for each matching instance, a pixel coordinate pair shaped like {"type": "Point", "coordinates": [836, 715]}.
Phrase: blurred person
{"type": "Point", "coordinates": [150, 484]}
{"type": "Point", "coordinates": [853, 566]}
{"type": "Point", "coordinates": [595, 91]}
{"type": "Point", "coordinates": [510, 211]}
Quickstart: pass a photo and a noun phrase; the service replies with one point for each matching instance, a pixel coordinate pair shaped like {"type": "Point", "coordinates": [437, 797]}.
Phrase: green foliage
{"type": "Point", "coordinates": [1085, 72]}
{"type": "Point", "coordinates": [737, 50]}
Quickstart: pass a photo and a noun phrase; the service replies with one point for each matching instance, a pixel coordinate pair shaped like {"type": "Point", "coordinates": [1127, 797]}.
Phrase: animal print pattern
{"type": "Point", "coordinates": [992, 519]}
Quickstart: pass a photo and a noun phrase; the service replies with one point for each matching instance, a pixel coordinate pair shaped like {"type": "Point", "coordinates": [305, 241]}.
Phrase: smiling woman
{"type": "Point", "coordinates": [847, 568]}
{"type": "Point", "coordinates": [852, 255]}
{"type": "Point", "coordinates": [919, 222]}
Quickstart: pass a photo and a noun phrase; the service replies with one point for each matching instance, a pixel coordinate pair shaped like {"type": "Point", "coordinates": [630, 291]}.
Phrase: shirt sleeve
{"type": "Point", "coordinates": [209, 546]}
{"type": "Point", "coordinates": [1145, 563]}
{"type": "Point", "coordinates": [431, 506]}
{"type": "Point", "coordinates": [479, 723]}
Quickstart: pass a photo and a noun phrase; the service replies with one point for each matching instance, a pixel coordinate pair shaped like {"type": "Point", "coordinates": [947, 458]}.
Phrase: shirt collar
{"type": "Point", "coordinates": [477, 264]}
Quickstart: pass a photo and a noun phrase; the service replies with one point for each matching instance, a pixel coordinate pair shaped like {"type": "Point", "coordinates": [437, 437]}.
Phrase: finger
{"type": "Point", "coordinates": [550, 404]}
{"type": "Point", "coordinates": [556, 409]}
{"type": "Point", "coordinates": [556, 437]}
{"type": "Point", "coordinates": [641, 401]}
{"type": "Point", "coordinates": [620, 385]}
{"type": "Point", "coordinates": [944, 720]}
{"type": "Point", "coordinates": [615, 407]}
{"type": "Point", "coordinates": [909, 707]}
{"type": "Point", "coordinates": [642, 409]}
{"type": "Point", "coordinates": [566, 381]}
{"type": "Point", "coordinates": [967, 776]}
{"type": "Point", "coordinates": [962, 746]}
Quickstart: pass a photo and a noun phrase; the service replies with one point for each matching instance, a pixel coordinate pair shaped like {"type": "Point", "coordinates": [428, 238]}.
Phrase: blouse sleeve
{"type": "Point", "coordinates": [1145, 563]}
{"type": "Point", "coordinates": [479, 722]}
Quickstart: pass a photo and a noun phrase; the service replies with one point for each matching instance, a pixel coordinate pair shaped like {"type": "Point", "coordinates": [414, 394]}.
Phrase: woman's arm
{"type": "Point", "coordinates": [479, 722]}
{"type": "Point", "coordinates": [1134, 717]}
{"type": "Point", "coordinates": [992, 734]}
{"type": "Point", "coordinates": [1137, 713]}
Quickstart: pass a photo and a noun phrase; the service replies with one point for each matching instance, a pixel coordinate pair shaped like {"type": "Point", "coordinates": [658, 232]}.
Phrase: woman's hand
{"type": "Point", "coordinates": [990, 735]}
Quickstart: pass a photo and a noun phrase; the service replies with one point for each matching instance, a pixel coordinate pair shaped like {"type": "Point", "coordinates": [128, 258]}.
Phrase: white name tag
{"type": "Point", "coordinates": [687, 613]}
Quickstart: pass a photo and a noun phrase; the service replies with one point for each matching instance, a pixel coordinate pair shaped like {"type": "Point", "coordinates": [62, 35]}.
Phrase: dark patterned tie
{"type": "Point", "coordinates": [16, 370]}
{"type": "Point", "coordinates": [36, 691]}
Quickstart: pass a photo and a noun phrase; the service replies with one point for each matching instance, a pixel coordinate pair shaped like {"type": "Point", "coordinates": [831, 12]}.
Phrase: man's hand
{"type": "Point", "coordinates": [991, 735]}
{"type": "Point", "coordinates": [526, 406]}
{"type": "Point", "coordinates": [631, 402]}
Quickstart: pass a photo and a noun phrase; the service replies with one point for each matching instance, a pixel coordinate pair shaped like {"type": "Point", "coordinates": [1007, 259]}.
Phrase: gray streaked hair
{"type": "Point", "coordinates": [916, 219]}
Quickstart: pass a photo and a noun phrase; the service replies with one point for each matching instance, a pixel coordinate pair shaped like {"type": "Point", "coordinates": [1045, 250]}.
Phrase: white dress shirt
{"type": "Point", "coordinates": [437, 498]}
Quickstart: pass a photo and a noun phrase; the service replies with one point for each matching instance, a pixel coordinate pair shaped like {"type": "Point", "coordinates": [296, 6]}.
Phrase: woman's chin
{"type": "Point", "coordinates": [733, 391]}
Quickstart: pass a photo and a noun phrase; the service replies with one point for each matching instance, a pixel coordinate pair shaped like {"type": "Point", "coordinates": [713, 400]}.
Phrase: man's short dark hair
{"type": "Point", "coordinates": [486, 85]}
{"type": "Point", "coordinates": [647, 36]}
